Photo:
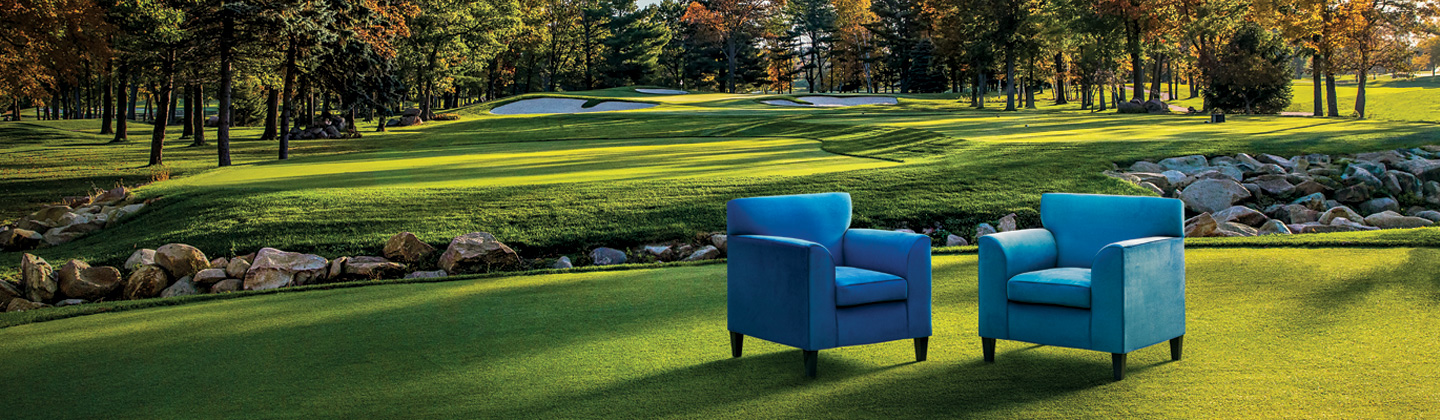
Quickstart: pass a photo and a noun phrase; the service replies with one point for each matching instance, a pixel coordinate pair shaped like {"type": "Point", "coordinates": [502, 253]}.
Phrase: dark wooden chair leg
{"type": "Point", "coordinates": [812, 358]}
{"type": "Point", "coordinates": [922, 348]}
{"type": "Point", "coordinates": [1117, 361]}
{"type": "Point", "coordinates": [737, 343]}
{"type": "Point", "coordinates": [989, 345]}
{"type": "Point", "coordinates": [1177, 345]}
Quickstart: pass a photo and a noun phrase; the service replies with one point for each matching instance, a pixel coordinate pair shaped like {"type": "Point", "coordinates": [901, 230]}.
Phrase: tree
{"type": "Point", "coordinates": [814, 22]}
{"type": "Point", "coordinates": [898, 24]}
{"type": "Point", "coordinates": [1252, 72]}
{"type": "Point", "coordinates": [925, 75]}
{"type": "Point", "coordinates": [1376, 34]}
{"type": "Point", "coordinates": [730, 22]}
{"type": "Point", "coordinates": [632, 52]}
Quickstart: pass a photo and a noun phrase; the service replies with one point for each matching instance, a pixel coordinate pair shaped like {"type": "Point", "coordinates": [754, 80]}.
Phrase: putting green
{"type": "Point", "coordinates": [1272, 333]}
{"type": "Point", "coordinates": [542, 162]}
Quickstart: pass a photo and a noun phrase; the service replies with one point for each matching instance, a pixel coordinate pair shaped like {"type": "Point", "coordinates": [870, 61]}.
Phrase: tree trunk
{"type": "Point", "coordinates": [1361, 76]}
{"type": "Point", "coordinates": [1331, 104]}
{"type": "Point", "coordinates": [1155, 82]}
{"type": "Point", "coordinates": [107, 109]}
{"type": "Point", "coordinates": [1009, 78]}
{"type": "Point", "coordinates": [288, 100]}
{"type": "Point", "coordinates": [222, 131]}
{"type": "Point", "coordinates": [171, 106]}
{"type": "Point", "coordinates": [1062, 71]}
{"type": "Point", "coordinates": [1137, 68]}
{"type": "Point", "coordinates": [980, 89]}
{"type": "Point", "coordinates": [272, 114]}
{"type": "Point", "coordinates": [1101, 94]}
{"type": "Point", "coordinates": [134, 96]}
{"type": "Point", "coordinates": [187, 117]}
{"type": "Point", "coordinates": [731, 50]}
{"type": "Point", "coordinates": [1315, 69]}
{"type": "Point", "coordinates": [157, 133]}
{"type": "Point", "coordinates": [121, 130]}
{"type": "Point", "coordinates": [199, 114]}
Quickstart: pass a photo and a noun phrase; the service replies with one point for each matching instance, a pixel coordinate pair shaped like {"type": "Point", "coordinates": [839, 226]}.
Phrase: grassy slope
{"type": "Point", "coordinates": [960, 167]}
{"type": "Point", "coordinates": [1341, 333]}
{"type": "Point", "coordinates": [1386, 98]}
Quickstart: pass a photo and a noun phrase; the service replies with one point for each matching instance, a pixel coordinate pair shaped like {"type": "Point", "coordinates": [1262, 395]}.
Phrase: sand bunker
{"type": "Point", "coordinates": [563, 106]}
{"type": "Point", "coordinates": [662, 91]}
{"type": "Point", "coordinates": [834, 101]}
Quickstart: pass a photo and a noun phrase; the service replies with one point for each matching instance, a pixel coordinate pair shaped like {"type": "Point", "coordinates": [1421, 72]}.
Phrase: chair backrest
{"type": "Point", "coordinates": [819, 218]}
{"type": "Point", "coordinates": [1083, 224]}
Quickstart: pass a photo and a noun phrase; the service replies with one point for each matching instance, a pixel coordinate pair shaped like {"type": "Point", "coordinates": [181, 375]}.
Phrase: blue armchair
{"type": "Point", "coordinates": [1106, 273]}
{"type": "Point", "coordinates": [799, 276]}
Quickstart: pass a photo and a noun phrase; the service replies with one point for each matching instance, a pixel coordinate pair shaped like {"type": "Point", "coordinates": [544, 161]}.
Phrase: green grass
{"type": "Point", "coordinates": [1338, 333]}
{"type": "Point", "coordinates": [562, 184]}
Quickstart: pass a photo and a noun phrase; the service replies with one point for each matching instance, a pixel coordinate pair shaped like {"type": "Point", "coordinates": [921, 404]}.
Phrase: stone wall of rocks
{"type": "Point", "coordinates": [1245, 195]}
{"type": "Point", "coordinates": [78, 216]}
{"type": "Point", "coordinates": [180, 269]}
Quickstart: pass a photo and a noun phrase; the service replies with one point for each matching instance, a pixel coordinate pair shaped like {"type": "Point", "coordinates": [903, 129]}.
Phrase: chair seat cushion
{"type": "Point", "coordinates": [855, 286]}
{"type": "Point", "coordinates": [1068, 286]}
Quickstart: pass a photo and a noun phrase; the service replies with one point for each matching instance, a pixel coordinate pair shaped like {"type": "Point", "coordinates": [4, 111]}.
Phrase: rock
{"type": "Point", "coordinates": [1430, 215]}
{"type": "Point", "coordinates": [1201, 226]}
{"type": "Point", "coordinates": [1354, 175]}
{"type": "Point", "coordinates": [1275, 185]}
{"type": "Point", "coordinates": [660, 252]}
{"type": "Point", "coordinates": [1176, 178]}
{"type": "Point", "coordinates": [408, 112]}
{"type": "Point", "coordinates": [1312, 187]}
{"type": "Point", "coordinates": [1146, 166]}
{"type": "Point", "coordinates": [337, 268]}
{"type": "Point", "coordinates": [562, 263]}
{"type": "Point", "coordinates": [1283, 162]}
{"type": "Point", "coordinates": [1156, 106]}
{"type": "Point", "coordinates": [1213, 195]}
{"type": "Point", "coordinates": [410, 120]}
{"type": "Point", "coordinates": [1384, 157]}
{"type": "Point", "coordinates": [220, 263]}
{"type": "Point", "coordinates": [52, 215]}
{"type": "Point", "coordinates": [1241, 214]}
{"type": "Point", "coordinates": [9, 291]}
{"type": "Point", "coordinates": [427, 274]}
{"type": "Point", "coordinates": [237, 268]}
{"type": "Point", "coordinates": [70, 302]}
{"type": "Point", "coordinates": [406, 248]}
{"type": "Point", "coordinates": [1339, 212]}
{"type": "Point", "coordinates": [182, 287]}
{"type": "Point", "coordinates": [18, 239]}
{"type": "Point", "coordinates": [1374, 168]}
{"type": "Point", "coordinates": [181, 260]}
{"type": "Point", "coordinates": [1313, 202]}
{"type": "Point", "coordinates": [1424, 169]}
{"type": "Point", "coordinates": [720, 241]}
{"type": "Point", "coordinates": [983, 229]}
{"type": "Point", "coordinates": [1160, 181]}
{"type": "Point", "coordinates": [475, 251]}
{"type": "Point", "coordinates": [69, 272]}
{"type": "Point", "coordinates": [373, 268]}
{"type": "Point", "coordinates": [227, 285]}
{"type": "Point", "coordinates": [709, 252]}
{"type": "Point", "coordinates": [1248, 161]}
{"type": "Point", "coordinates": [1237, 229]}
{"type": "Point", "coordinates": [113, 195]}
{"type": "Point", "coordinates": [954, 240]}
{"type": "Point", "coordinates": [22, 305]}
{"type": "Point", "coordinates": [57, 237]}
{"type": "Point", "coordinates": [274, 269]}
{"type": "Point", "coordinates": [37, 278]}
{"type": "Point", "coordinates": [1130, 108]}
{"type": "Point", "coordinates": [210, 276]}
{"type": "Point", "coordinates": [92, 283]}
{"type": "Point", "coordinates": [1379, 205]}
{"type": "Point", "coordinates": [1348, 224]}
{"type": "Point", "coordinates": [1186, 164]}
{"type": "Point", "coordinates": [1274, 227]}
{"type": "Point", "coordinates": [1393, 220]}
{"type": "Point", "coordinates": [139, 258]}
{"type": "Point", "coordinates": [1007, 223]}
{"type": "Point", "coordinates": [1354, 193]}
{"type": "Point", "coordinates": [146, 281]}
{"type": "Point", "coordinates": [1295, 214]}
{"type": "Point", "coordinates": [607, 256]}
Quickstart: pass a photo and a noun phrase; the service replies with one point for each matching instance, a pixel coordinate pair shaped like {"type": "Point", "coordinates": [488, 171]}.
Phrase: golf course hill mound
{"type": "Point", "coordinates": [834, 101]}
{"type": "Point", "coordinates": [661, 91]}
{"type": "Point", "coordinates": [564, 106]}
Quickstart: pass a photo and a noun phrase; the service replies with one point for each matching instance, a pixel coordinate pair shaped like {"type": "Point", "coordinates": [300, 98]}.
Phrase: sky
{"type": "Point", "coordinates": [643, 3]}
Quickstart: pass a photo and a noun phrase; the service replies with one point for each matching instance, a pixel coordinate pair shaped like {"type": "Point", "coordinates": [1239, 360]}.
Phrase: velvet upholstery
{"type": "Point", "coordinates": [798, 275]}
{"type": "Point", "coordinates": [1106, 273]}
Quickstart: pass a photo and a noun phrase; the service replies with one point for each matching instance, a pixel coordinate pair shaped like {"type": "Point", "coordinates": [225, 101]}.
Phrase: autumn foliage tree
{"type": "Point", "coordinates": [730, 22]}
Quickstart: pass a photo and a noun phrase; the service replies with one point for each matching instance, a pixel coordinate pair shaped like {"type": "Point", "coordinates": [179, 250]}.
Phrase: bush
{"type": "Point", "coordinates": [1252, 73]}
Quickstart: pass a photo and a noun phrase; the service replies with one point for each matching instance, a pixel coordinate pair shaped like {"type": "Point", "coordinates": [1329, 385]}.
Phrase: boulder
{"type": "Point", "coordinates": [146, 281]}
{"type": "Point", "coordinates": [475, 251]}
{"type": "Point", "coordinates": [69, 272]}
{"type": "Point", "coordinates": [1248, 162]}
{"type": "Point", "coordinates": [1186, 164]}
{"type": "Point", "coordinates": [1355, 175]}
{"type": "Point", "coordinates": [1283, 162]}
{"type": "Point", "coordinates": [1373, 167]}
{"type": "Point", "coordinates": [427, 274]}
{"type": "Point", "coordinates": [1146, 166]}
{"type": "Point", "coordinates": [1201, 226]}
{"type": "Point", "coordinates": [410, 120]}
{"type": "Point", "coordinates": [71, 302]}
{"type": "Point", "coordinates": [1156, 106]}
{"type": "Point", "coordinates": [237, 268]}
{"type": "Point", "coordinates": [1237, 229]}
{"type": "Point", "coordinates": [52, 215]}
{"type": "Point", "coordinates": [562, 263]}
{"type": "Point", "coordinates": [1353, 194]}
{"type": "Point", "coordinates": [1241, 214]}
{"type": "Point", "coordinates": [406, 248]}
{"type": "Point", "coordinates": [983, 229]}
{"type": "Point", "coordinates": [22, 305]}
{"type": "Point", "coordinates": [1430, 215]}
{"type": "Point", "coordinates": [274, 269]}
{"type": "Point", "coordinates": [410, 112]}
{"type": "Point", "coordinates": [92, 283]}
{"type": "Point", "coordinates": [37, 278]}
{"type": "Point", "coordinates": [18, 239]}
{"type": "Point", "coordinates": [1339, 212]}
{"type": "Point", "coordinates": [139, 258]}
{"type": "Point", "coordinates": [181, 260]}
{"type": "Point", "coordinates": [1424, 169]}
{"type": "Point", "coordinates": [1313, 202]}
{"type": "Point", "coordinates": [1157, 179]}
{"type": "Point", "coordinates": [954, 240]}
{"type": "Point", "coordinates": [56, 237]}
{"type": "Point", "coordinates": [220, 263]}
{"type": "Point", "coordinates": [210, 276]}
{"type": "Point", "coordinates": [337, 268]}
{"type": "Point", "coordinates": [1213, 195]}
{"type": "Point", "coordinates": [1275, 185]}
{"type": "Point", "coordinates": [1295, 214]}
{"type": "Point", "coordinates": [660, 252]}
{"type": "Point", "coordinates": [112, 196]}
{"type": "Point", "coordinates": [373, 268]}
{"type": "Point", "coordinates": [1130, 108]}
{"type": "Point", "coordinates": [9, 291]}
{"type": "Point", "coordinates": [708, 252]}
{"type": "Point", "coordinates": [720, 241]}
{"type": "Point", "coordinates": [1351, 225]}
{"type": "Point", "coordinates": [227, 285]}
{"type": "Point", "coordinates": [1274, 227]}
{"type": "Point", "coordinates": [1393, 220]}
{"type": "Point", "coordinates": [1400, 183]}
{"type": "Point", "coordinates": [1379, 205]}
{"type": "Point", "coordinates": [1176, 178]}
{"type": "Point", "coordinates": [1007, 223]}
{"type": "Point", "coordinates": [1384, 157]}
{"type": "Point", "coordinates": [183, 287]}
{"type": "Point", "coordinates": [607, 256]}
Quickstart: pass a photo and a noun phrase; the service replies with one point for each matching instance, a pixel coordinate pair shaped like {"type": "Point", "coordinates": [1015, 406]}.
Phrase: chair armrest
{"type": "Point", "coordinates": [901, 254]}
{"type": "Point", "coordinates": [781, 290]}
{"type": "Point", "coordinates": [1137, 293]}
{"type": "Point", "coordinates": [1002, 256]}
